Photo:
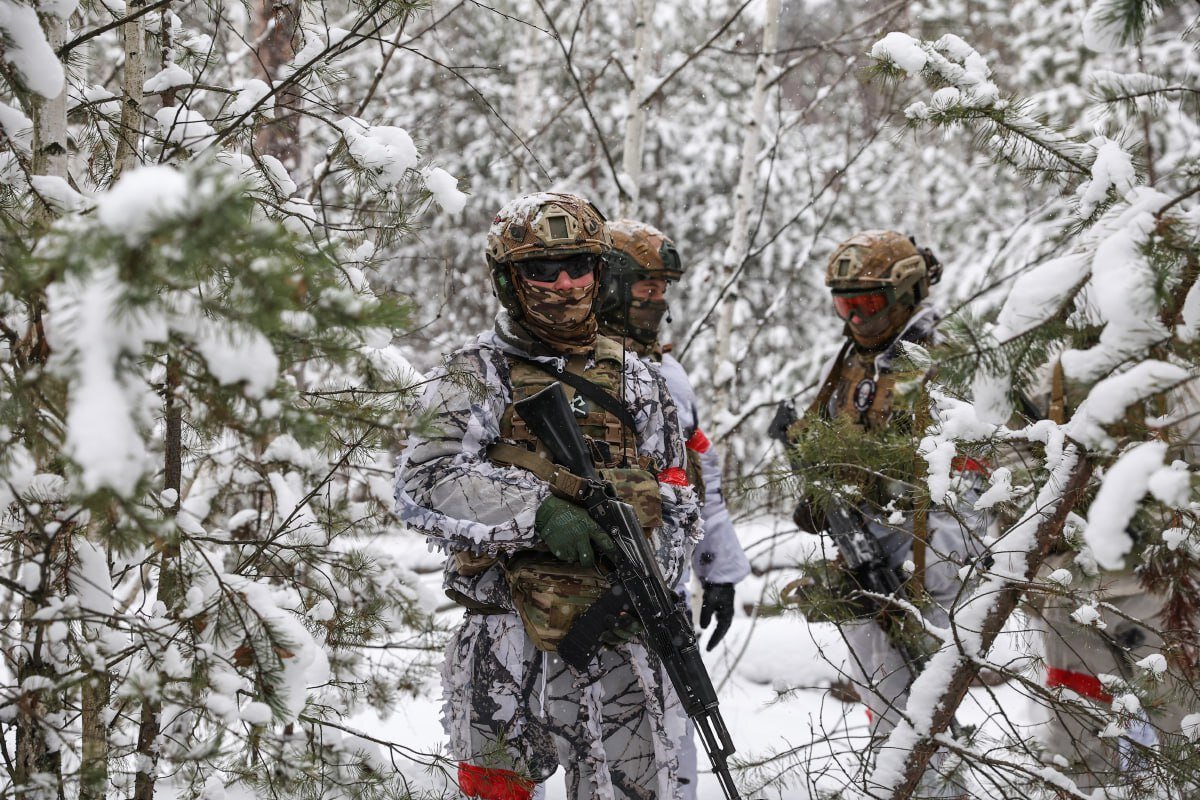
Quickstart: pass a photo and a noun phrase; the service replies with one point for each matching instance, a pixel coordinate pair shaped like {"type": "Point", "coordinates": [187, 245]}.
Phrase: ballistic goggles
{"type": "Point", "coordinates": [861, 306]}
{"type": "Point", "coordinates": [545, 270]}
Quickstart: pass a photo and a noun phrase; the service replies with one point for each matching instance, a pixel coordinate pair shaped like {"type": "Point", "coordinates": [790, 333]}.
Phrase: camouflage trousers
{"type": "Point", "coordinates": [1076, 657]}
{"type": "Point", "coordinates": [510, 706]}
{"type": "Point", "coordinates": [879, 670]}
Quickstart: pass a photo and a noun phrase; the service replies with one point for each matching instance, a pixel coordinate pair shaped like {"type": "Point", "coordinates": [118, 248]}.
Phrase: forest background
{"type": "Point", "coordinates": [236, 235]}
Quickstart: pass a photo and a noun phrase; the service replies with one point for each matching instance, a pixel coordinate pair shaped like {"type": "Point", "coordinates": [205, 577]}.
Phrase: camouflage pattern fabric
{"type": "Point", "coordinates": [610, 728]}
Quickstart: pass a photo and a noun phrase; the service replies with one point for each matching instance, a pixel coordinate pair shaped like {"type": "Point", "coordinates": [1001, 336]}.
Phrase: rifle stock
{"type": "Point", "coordinates": [637, 584]}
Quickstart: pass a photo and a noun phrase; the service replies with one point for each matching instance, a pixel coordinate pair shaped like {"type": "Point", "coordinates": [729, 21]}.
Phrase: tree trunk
{"type": "Point", "coordinates": [133, 78]}
{"type": "Point", "coordinates": [635, 114]}
{"type": "Point", "coordinates": [739, 244]}
{"type": "Point", "coordinates": [278, 24]}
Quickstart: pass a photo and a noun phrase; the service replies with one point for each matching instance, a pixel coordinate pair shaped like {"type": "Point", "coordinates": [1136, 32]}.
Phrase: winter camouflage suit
{"type": "Point", "coordinates": [508, 705]}
{"type": "Point", "coordinates": [859, 385]}
{"type": "Point", "coordinates": [633, 312]}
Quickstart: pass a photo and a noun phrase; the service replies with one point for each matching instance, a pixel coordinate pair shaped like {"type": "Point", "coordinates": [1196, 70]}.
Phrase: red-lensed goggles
{"type": "Point", "coordinates": [860, 306]}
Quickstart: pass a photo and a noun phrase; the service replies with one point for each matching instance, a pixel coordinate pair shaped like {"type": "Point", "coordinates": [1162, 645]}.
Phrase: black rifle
{"type": "Point", "coordinates": [865, 559]}
{"type": "Point", "coordinates": [637, 584]}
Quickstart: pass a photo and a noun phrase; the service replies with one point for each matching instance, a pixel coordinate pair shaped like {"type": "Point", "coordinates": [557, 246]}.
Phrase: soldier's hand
{"type": "Point", "coordinates": [625, 627]}
{"type": "Point", "coordinates": [717, 601]}
{"type": "Point", "coordinates": [569, 532]}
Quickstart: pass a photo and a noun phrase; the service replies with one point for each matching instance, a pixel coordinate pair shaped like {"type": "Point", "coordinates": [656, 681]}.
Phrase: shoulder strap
{"type": "Point", "coordinates": [586, 388]}
{"type": "Point", "coordinates": [826, 390]}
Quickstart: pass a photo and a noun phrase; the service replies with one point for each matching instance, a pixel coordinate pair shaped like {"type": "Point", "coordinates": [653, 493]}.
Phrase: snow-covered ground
{"type": "Point", "coordinates": [772, 673]}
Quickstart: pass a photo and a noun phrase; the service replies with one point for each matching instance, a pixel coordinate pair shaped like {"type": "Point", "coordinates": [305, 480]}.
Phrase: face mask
{"type": "Point", "coordinates": [564, 320]}
{"type": "Point", "coordinates": [645, 318]}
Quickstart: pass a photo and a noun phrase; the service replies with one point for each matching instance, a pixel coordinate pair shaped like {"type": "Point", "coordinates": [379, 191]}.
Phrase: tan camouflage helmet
{"type": "Point", "coordinates": [547, 224]}
{"type": "Point", "coordinates": [879, 260]}
{"type": "Point", "coordinates": [644, 249]}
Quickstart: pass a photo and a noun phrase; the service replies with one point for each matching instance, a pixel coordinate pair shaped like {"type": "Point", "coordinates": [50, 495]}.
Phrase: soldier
{"type": "Point", "coordinates": [523, 559]}
{"type": "Point", "coordinates": [1141, 639]}
{"type": "Point", "coordinates": [632, 305]}
{"type": "Point", "coordinates": [880, 283]}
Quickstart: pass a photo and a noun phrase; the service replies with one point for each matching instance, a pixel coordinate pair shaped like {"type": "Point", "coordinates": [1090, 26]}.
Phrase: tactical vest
{"type": "Point", "coordinates": [550, 594]}
{"type": "Point", "coordinates": [859, 392]}
{"type": "Point", "coordinates": [612, 445]}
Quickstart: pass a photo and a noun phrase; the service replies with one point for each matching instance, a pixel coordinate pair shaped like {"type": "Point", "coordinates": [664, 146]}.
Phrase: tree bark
{"type": "Point", "coordinates": [169, 589]}
{"type": "Point", "coordinates": [635, 114]}
{"type": "Point", "coordinates": [133, 78]}
{"type": "Point", "coordinates": [278, 24]}
{"type": "Point", "coordinates": [739, 244]}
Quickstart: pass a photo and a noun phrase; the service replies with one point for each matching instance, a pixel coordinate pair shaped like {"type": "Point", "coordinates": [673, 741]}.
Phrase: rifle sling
{"type": "Point", "coordinates": [826, 390]}
{"type": "Point", "coordinates": [586, 388]}
{"type": "Point", "coordinates": [563, 483]}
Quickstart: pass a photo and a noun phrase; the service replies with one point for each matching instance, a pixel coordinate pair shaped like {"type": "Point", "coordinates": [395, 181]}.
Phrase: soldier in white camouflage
{"type": "Point", "coordinates": [880, 284]}
{"type": "Point", "coordinates": [522, 559]}
{"type": "Point", "coordinates": [643, 263]}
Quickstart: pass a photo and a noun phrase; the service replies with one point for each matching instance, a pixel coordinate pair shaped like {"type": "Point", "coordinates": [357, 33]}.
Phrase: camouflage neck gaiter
{"type": "Point", "coordinates": [645, 318]}
{"type": "Point", "coordinates": [564, 321]}
{"type": "Point", "coordinates": [639, 326]}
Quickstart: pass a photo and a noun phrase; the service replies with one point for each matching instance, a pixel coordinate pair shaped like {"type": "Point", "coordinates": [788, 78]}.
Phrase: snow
{"type": "Point", "coordinates": [1109, 515]}
{"type": "Point", "coordinates": [89, 336]}
{"type": "Point", "coordinates": [444, 188]}
{"type": "Point", "coordinates": [58, 194]}
{"type": "Point", "coordinates": [169, 77]}
{"type": "Point", "coordinates": [902, 50]}
{"type": "Point", "coordinates": [1109, 399]}
{"type": "Point", "coordinates": [1038, 295]}
{"type": "Point", "coordinates": [250, 94]}
{"type": "Point", "coordinates": [1112, 169]}
{"type": "Point", "coordinates": [182, 126]}
{"type": "Point", "coordinates": [386, 150]}
{"type": "Point", "coordinates": [16, 126]}
{"type": "Point", "coordinates": [27, 51]}
{"type": "Point", "coordinates": [1103, 26]}
{"type": "Point", "coordinates": [141, 201]}
{"type": "Point", "coordinates": [1000, 490]}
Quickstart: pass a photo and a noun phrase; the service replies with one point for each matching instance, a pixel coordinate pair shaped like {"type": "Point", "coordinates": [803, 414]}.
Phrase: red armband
{"type": "Point", "coordinates": [1078, 682]}
{"type": "Point", "coordinates": [699, 442]}
{"type": "Point", "coordinates": [493, 784]}
{"type": "Point", "coordinates": [968, 464]}
{"type": "Point", "coordinates": [674, 476]}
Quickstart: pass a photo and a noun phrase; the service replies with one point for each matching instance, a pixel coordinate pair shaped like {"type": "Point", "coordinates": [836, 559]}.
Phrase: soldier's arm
{"type": "Point", "coordinates": [445, 485]}
{"type": "Point", "coordinates": [661, 437]}
{"type": "Point", "coordinates": [719, 556]}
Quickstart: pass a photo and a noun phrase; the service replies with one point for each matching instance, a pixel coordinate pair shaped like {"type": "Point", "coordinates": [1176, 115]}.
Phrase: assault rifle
{"type": "Point", "coordinates": [636, 582]}
{"type": "Point", "coordinates": [865, 559]}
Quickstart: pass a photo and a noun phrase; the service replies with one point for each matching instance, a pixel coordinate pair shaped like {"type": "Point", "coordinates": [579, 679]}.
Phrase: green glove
{"type": "Point", "coordinates": [569, 531]}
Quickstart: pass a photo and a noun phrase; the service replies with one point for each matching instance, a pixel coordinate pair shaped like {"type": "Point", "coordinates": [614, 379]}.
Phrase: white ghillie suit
{"type": "Point", "coordinates": [508, 705]}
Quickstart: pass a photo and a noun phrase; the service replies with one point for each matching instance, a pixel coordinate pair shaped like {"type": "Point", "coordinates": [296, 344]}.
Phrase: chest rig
{"type": "Point", "coordinates": [611, 443]}
{"type": "Point", "coordinates": [860, 391]}
{"type": "Point", "coordinates": [550, 595]}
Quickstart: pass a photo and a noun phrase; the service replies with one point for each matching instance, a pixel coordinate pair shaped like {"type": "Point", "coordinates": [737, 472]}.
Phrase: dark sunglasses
{"type": "Point", "coordinates": [545, 270]}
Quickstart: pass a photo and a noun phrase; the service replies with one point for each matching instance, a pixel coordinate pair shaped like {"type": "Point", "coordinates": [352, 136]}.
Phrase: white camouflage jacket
{"type": "Point", "coordinates": [447, 488]}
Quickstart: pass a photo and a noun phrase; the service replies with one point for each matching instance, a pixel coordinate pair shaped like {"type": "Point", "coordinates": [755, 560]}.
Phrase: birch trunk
{"type": "Point", "coordinates": [724, 401]}
{"type": "Point", "coordinates": [635, 116]}
{"type": "Point", "coordinates": [37, 764]}
{"type": "Point", "coordinates": [133, 78]}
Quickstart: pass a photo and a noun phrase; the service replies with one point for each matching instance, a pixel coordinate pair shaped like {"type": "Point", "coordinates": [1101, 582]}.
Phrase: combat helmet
{"type": "Point", "coordinates": [638, 251]}
{"type": "Point", "coordinates": [877, 279]}
{"type": "Point", "coordinates": [546, 225]}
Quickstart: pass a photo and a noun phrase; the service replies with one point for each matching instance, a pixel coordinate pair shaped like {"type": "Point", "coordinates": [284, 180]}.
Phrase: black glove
{"type": "Point", "coordinates": [718, 599]}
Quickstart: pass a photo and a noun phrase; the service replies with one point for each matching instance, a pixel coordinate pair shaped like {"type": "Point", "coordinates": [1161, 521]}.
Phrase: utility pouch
{"type": "Point", "coordinates": [551, 594]}
{"type": "Point", "coordinates": [638, 488]}
{"type": "Point", "coordinates": [695, 473]}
